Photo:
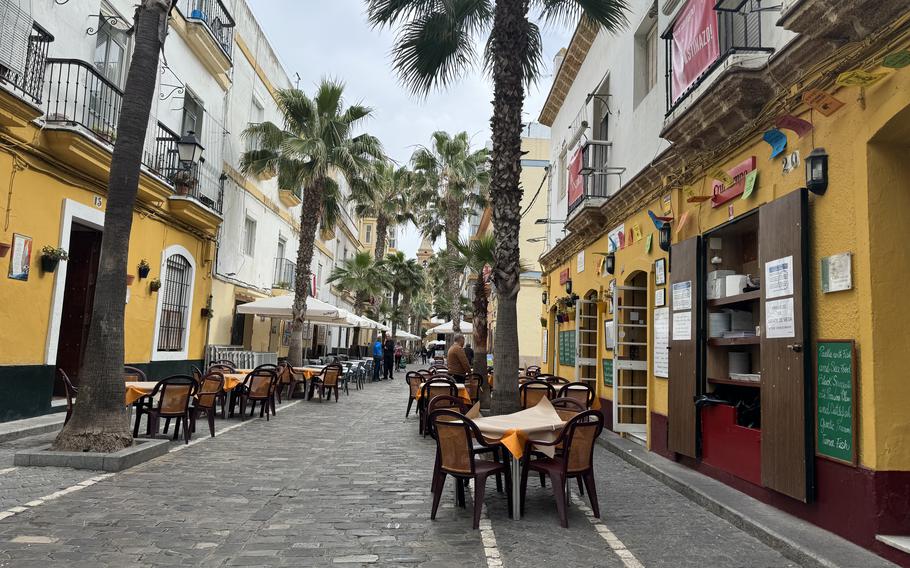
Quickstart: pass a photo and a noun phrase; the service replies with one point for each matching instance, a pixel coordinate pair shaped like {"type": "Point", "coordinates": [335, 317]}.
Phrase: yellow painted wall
{"type": "Point", "coordinates": [223, 306]}
{"type": "Point", "coordinates": [529, 329]}
{"type": "Point", "coordinates": [863, 212]}
{"type": "Point", "coordinates": [36, 208]}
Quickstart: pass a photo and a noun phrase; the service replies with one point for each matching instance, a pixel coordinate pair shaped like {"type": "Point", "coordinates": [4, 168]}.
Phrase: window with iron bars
{"type": "Point", "coordinates": [175, 304]}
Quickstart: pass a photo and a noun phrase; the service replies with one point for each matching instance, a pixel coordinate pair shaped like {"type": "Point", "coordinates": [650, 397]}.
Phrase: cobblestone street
{"type": "Point", "coordinates": [348, 483]}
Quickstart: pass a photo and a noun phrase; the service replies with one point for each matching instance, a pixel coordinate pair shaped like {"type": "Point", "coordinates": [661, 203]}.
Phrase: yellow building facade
{"type": "Point", "coordinates": [663, 363]}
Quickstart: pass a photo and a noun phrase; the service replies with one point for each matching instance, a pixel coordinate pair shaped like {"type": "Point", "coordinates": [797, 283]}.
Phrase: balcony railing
{"type": "Point", "coordinates": [285, 273]}
{"type": "Point", "coordinates": [76, 95]}
{"type": "Point", "coordinates": [216, 18]}
{"type": "Point", "coordinates": [29, 81]}
{"type": "Point", "coordinates": [738, 32]}
{"type": "Point", "coordinates": [596, 170]}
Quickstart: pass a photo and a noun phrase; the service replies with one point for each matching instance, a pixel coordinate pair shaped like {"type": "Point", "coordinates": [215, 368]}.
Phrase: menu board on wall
{"type": "Point", "coordinates": [608, 372]}
{"type": "Point", "coordinates": [661, 342]}
{"type": "Point", "coordinates": [567, 348]}
{"type": "Point", "coordinates": [836, 405]}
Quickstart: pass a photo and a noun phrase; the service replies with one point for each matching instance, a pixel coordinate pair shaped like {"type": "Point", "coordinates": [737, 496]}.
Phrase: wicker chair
{"type": "Point", "coordinates": [413, 380]}
{"type": "Point", "coordinates": [327, 381]}
{"type": "Point", "coordinates": [226, 363]}
{"type": "Point", "coordinates": [456, 438]}
{"type": "Point", "coordinates": [134, 375]}
{"type": "Point", "coordinates": [554, 380]}
{"type": "Point", "coordinates": [210, 391]}
{"type": "Point", "coordinates": [71, 392]}
{"type": "Point", "coordinates": [567, 408]}
{"type": "Point", "coordinates": [532, 391]}
{"type": "Point", "coordinates": [576, 460]}
{"type": "Point", "coordinates": [430, 390]}
{"type": "Point", "coordinates": [472, 383]}
{"type": "Point", "coordinates": [288, 379]}
{"type": "Point", "coordinates": [173, 396]}
{"type": "Point", "coordinates": [258, 386]}
{"type": "Point", "coordinates": [581, 392]}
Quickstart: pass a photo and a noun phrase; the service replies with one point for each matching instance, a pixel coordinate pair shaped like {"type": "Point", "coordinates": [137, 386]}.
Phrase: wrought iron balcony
{"type": "Point", "coordinates": [596, 171]}
{"type": "Point", "coordinates": [738, 31]}
{"type": "Point", "coordinates": [285, 273]}
{"type": "Point", "coordinates": [28, 79]}
{"type": "Point", "coordinates": [216, 18]}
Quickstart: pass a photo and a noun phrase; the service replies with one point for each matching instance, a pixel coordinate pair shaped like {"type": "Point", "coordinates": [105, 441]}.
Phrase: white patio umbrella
{"type": "Point", "coordinates": [401, 334]}
{"type": "Point", "coordinates": [317, 311]}
{"type": "Point", "coordinates": [466, 327]}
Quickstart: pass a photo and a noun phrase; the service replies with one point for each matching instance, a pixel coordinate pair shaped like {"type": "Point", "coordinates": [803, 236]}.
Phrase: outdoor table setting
{"type": "Point", "coordinates": [538, 423]}
{"type": "Point", "coordinates": [462, 393]}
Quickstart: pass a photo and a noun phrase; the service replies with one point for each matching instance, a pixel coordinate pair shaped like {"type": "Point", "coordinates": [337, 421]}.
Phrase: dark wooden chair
{"type": "Point", "coordinates": [197, 375]}
{"type": "Point", "coordinates": [567, 408]}
{"type": "Point", "coordinates": [430, 390]}
{"type": "Point", "coordinates": [258, 386]}
{"type": "Point", "coordinates": [71, 392]}
{"type": "Point", "coordinates": [554, 380]}
{"type": "Point", "coordinates": [169, 399]}
{"type": "Point", "coordinates": [413, 380]}
{"type": "Point", "coordinates": [456, 439]}
{"type": "Point", "coordinates": [576, 460]}
{"type": "Point", "coordinates": [532, 391]}
{"type": "Point", "coordinates": [288, 380]}
{"type": "Point", "coordinates": [532, 372]}
{"type": "Point", "coordinates": [226, 363]}
{"type": "Point", "coordinates": [472, 382]}
{"type": "Point", "coordinates": [134, 375]}
{"type": "Point", "coordinates": [581, 392]}
{"type": "Point", "coordinates": [221, 368]}
{"type": "Point", "coordinates": [206, 399]}
{"type": "Point", "coordinates": [327, 381]}
{"type": "Point", "coordinates": [446, 402]}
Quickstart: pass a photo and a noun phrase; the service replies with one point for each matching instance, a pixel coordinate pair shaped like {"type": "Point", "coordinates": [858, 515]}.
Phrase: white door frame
{"type": "Point", "coordinates": [620, 363]}
{"type": "Point", "coordinates": [582, 339]}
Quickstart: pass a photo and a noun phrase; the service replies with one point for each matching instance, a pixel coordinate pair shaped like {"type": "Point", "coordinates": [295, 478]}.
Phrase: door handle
{"type": "Point", "coordinates": [796, 347]}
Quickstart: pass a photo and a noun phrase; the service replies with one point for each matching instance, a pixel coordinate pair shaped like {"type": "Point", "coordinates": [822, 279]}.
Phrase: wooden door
{"type": "Point", "coordinates": [786, 391]}
{"type": "Point", "coordinates": [685, 292]}
{"type": "Point", "coordinates": [78, 299]}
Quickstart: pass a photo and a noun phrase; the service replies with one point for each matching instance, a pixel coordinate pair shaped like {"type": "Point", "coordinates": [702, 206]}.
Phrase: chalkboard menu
{"type": "Point", "coordinates": [567, 348]}
{"type": "Point", "coordinates": [608, 372]}
{"type": "Point", "coordinates": [836, 404]}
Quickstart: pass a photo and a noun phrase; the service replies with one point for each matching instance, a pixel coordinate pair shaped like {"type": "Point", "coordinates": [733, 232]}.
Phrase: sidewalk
{"type": "Point", "coordinates": [796, 539]}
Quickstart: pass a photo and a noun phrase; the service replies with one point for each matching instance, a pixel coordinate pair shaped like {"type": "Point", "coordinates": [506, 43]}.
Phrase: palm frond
{"type": "Point", "coordinates": [611, 14]}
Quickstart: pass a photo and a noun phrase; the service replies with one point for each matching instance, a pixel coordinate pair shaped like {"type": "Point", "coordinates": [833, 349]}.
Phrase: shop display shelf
{"type": "Point", "coordinates": [738, 299]}
{"type": "Point", "coordinates": [733, 341]}
{"type": "Point", "coordinates": [748, 384]}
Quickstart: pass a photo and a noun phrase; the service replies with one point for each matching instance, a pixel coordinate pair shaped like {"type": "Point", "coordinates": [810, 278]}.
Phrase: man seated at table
{"type": "Point", "coordinates": [457, 360]}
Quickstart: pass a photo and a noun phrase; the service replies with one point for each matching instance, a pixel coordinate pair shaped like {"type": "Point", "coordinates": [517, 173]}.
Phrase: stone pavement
{"type": "Point", "coordinates": [346, 484]}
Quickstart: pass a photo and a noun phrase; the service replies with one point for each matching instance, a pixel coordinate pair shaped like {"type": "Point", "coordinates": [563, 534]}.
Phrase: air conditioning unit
{"type": "Point", "coordinates": [15, 28]}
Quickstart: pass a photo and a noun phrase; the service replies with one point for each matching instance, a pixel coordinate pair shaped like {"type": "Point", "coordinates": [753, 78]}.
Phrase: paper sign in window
{"type": "Point", "coordinates": [682, 296]}
{"type": "Point", "coordinates": [779, 278]}
{"type": "Point", "coordinates": [779, 319]}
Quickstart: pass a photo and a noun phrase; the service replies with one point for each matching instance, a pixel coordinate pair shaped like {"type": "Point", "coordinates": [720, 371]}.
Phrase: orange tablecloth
{"type": "Point", "coordinates": [462, 393]}
{"type": "Point", "coordinates": [231, 380]}
{"type": "Point", "coordinates": [137, 390]}
{"type": "Point", "coordinates": [540, 422]}
{"type": "Point", "coordinates": [308, 372]}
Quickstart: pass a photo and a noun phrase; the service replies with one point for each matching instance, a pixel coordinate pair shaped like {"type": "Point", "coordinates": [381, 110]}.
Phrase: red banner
{"type": "Point", "coordinates": [576, 181]}
{"type": "Point", "coordinates": [695, 44]}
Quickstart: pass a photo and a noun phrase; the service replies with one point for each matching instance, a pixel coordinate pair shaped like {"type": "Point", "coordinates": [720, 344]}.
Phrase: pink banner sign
{"type": "Point", "coordinates": [576, 181]}
{"type": "Point", "coordinates": [695, 44]}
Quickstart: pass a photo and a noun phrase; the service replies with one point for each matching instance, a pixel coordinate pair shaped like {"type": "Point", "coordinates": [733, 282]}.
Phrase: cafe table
{"type": "Point", "coordinates": [462, 393]}
{"type": "Point", "coordinates": [538, 423]}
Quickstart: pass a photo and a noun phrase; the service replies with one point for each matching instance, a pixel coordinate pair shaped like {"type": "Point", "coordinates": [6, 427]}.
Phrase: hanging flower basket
{"type": "Point", "coordinates": [144, 269]}
{"type": "Point", "coordinates": [51, 257]}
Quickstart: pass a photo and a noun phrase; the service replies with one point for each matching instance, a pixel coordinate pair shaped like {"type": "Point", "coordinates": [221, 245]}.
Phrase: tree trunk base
{"type": "Point", "coordinates": [99, 441]}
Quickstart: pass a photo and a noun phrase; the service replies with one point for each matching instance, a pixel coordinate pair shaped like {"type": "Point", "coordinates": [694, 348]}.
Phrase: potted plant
{"type": "Point", "coordinates": [184, 182]}
{"type": "Point", "coordinates": [4, 249]}
{"type": "Point", "coordinates": [543, 322]}
{"type": "Point", "coordinates": [144, 269]}
{"type": "Point", "coordinates": [51, 257]}
{"type": "Point", "coordinates": [154, 285]}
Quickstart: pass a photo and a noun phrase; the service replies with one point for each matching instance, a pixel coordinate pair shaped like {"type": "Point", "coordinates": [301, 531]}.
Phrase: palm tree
{"type": "Point", "coordinates": [478, 256]}
{"type": "Point", "coordinates": [99, 422]}
{"type": "Point", "coordinates": [362, 277]}
{"type": "Point", "coordinates": [434, 47]}
{"type": "Point", "coordinates": [385, 197]}
{"type": "Point", "coordinates": [451, 181]}
{"type": "Point", "coordinates": [405, 278]}
{"type": "Point", "coordinates": [316, 142]}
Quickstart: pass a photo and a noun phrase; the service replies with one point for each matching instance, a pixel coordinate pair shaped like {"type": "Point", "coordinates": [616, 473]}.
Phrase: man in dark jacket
{"type": "Point", "coordinates": [388, 356]}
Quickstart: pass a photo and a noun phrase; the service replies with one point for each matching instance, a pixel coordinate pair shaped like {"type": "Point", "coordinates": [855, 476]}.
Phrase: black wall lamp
{"type": "Point", "coordinates": [569, 286]}
{"type": "Point", "coordinates": [665, 237]}
{"type": "Point", "coordinates": [610, 263]}
{"type": "Point", "coordinates": [817, 171]}
{"type": "Point", "coordinates": [545, 297]}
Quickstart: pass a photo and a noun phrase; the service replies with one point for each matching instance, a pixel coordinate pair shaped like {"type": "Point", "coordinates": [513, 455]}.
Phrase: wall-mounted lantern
{"type": "Point", "coordinates": [817, 171]}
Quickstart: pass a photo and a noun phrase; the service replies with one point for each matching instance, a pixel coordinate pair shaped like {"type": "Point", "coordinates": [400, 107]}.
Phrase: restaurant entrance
{"type": "Point", "coordinates": [630, 384]}
{"type": "Point", "coordinates": [78, 298]}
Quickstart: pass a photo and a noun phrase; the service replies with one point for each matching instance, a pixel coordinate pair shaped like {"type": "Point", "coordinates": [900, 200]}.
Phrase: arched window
{"type": "Point", "coordinates": [175, 303]}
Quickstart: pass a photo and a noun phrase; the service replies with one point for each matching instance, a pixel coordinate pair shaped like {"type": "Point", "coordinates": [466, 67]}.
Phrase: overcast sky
{"type": "Point", "coordinates": [320, 39]}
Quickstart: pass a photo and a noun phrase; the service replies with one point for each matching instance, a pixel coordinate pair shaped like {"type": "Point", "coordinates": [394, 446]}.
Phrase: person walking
{"type": "Point", "coordinates": [424, 354]}
{"type": "Point", "coordinates": [457, 360]}
{"type": "Point", "coordinates": [388, 357]}
{"type": "Point", "coordinates": [377, 358]}
{"type": "Point", "coordinates": [399, 353]}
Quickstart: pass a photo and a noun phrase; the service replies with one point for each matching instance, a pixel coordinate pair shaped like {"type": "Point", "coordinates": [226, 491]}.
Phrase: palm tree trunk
{"type": "Point", "coordinates": [382, 231]}
{"type": "Point", "coordinates": [453, 227]}
{"type": "Point", "coordinates": [310, 214]}
{"type": "Point", "coordinates": [481, 304]}
{"type": "Point", "coordinates": [99, 422]}
{"type": "Point", "coordinates": [509, 24]}
{"type": "Point", "coordinates": [395, 300]}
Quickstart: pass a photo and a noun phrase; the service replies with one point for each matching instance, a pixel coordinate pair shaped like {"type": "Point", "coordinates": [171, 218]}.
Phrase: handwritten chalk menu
{"type": "Point", "coordinates": [661, 342]}
{"type": "Point", "coordinates": [836, 390]}
{"type": "Point", "coordinates": [567, 348]}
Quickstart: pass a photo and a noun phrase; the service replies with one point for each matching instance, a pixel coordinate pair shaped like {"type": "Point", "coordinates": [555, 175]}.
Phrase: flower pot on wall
{"type": "Point", "coordinates": [155, 285]}
{"type": "Point", "coordinates": [144, 271]}
{"type": "Point", "coordinates": [4, 249]}
{"type": "Point", "coordinates": [49, 263]}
